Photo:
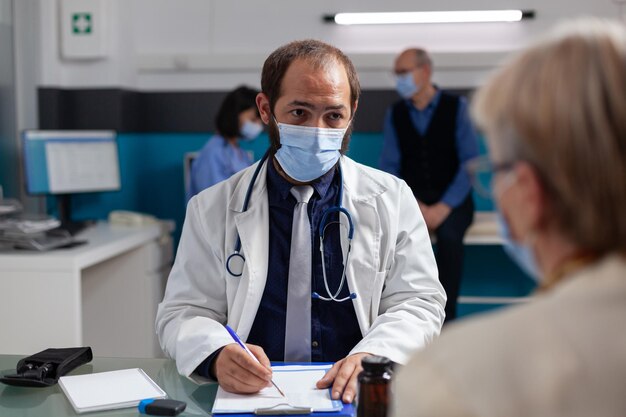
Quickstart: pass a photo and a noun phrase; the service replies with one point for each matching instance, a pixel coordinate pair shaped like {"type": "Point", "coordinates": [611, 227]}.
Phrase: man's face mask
{"type": "Point", "coordinates": [405, 85]}
{"type": "Point", "coordinates": [307, 153]}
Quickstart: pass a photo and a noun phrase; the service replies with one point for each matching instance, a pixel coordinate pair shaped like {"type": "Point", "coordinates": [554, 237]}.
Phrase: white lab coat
{"type": "Point", "coordinates": [399, 303]}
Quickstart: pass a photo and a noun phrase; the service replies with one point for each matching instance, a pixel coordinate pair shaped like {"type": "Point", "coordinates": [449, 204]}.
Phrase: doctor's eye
{"type": "Point", "coordinates": [297, 113]}
{"type": "Point", "coordinates": [335, 116]}
{"type": "Point", "coordinates": [335, 120]}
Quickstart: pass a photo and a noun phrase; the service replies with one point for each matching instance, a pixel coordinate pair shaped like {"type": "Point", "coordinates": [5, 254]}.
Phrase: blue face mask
{"type": "Point", "coordinates": [521, 254]}
{"type": "Point", "coordinates": [307, 153]}
{"type": "Point", "coordinates": [250, 130]}
{"type": "Point", "coordinates": [405, 85]}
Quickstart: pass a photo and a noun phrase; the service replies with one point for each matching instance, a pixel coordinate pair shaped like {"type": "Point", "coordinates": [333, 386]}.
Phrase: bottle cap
{"type": "Point", "coordinates": [376, 363]}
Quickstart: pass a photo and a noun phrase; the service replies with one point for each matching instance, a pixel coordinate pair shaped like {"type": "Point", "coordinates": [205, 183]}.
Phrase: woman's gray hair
{"type": "Point", "coordinates": [561, 106]}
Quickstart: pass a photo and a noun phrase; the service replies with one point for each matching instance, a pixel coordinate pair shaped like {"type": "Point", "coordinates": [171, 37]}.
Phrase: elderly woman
{"type": "Point", "coordinates": [555, 121]}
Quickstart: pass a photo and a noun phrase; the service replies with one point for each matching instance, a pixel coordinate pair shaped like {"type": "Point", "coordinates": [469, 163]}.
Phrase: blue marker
{"type": "Point", "coordinates": [164, 407]}
{"type": "Point", "coordinates": [243, 345]}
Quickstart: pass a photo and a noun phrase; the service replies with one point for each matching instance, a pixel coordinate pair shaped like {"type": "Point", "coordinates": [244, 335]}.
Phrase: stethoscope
{"type": "Point", "coordinates": [235, 261]}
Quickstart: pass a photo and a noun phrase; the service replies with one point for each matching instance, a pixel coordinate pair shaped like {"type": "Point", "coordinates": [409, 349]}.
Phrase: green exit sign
{"type": "Point", "coordinates": [82, 23]}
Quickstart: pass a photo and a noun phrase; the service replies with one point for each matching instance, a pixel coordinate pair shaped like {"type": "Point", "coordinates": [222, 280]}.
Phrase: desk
{"type": "Point", "coordinates": [103, 294]}
{"type": "Point", "coordinates": [483, 230]}
{"type": "Point", "coordinates": [51, 402]}
{"type": "Point", "coordinates": [483, 233]}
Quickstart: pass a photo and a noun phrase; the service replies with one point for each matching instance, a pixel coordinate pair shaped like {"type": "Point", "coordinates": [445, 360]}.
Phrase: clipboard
{"type": "Point", "coordinates": [347, 410]}
{"type": "Point", "coordinates": [232, 405]}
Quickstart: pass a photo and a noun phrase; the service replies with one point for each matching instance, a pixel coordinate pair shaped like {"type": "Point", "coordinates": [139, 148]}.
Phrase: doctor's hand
{"type": "Point", "coordinates": [237, 372]}
{"type": "Point", "coordinates": [343, 377]}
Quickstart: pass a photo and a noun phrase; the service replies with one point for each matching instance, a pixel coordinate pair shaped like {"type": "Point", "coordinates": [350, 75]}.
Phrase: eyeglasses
{"type": "Point", "coordinates": [482, 170]}
{"type": "Point", "coordinates": [403, 71]}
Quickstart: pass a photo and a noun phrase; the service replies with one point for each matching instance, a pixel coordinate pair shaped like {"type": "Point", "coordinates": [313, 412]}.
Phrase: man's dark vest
{"type": "Point", "coordinates": [430, 161]}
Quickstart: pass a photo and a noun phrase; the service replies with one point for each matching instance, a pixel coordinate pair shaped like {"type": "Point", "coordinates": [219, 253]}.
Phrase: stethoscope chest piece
{"type": "Point", "coordinates": [235, 263]}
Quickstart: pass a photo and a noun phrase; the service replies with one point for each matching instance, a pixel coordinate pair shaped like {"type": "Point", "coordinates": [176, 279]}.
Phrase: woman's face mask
{"type": "Point", "coordinates": [250, 130]}
{"type": "Point", "coordinates": [307, 153]}
{"type": "Point", "coordinates": [522, 254]}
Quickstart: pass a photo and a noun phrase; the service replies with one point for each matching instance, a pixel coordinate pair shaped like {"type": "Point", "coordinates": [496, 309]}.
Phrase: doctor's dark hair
{"type": "Point", "coordinates": [319, 55]}
{"type": "Point", "coordinates": [227, 119]}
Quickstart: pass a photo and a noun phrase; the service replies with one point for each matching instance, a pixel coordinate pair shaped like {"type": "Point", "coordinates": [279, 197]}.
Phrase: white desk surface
{"type": "Point", "coordinates": [483, 230]}
{"type": "Point", "coordinates": [104, 241]}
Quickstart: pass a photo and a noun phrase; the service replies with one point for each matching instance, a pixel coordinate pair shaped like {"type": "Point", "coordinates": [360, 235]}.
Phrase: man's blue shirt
{"type": "Point", "coordinates": [466, 145]}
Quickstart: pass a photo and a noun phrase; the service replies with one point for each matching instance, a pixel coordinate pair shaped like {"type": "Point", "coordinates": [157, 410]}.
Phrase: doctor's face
{"type": "Point", "coordinates": [314, 96]}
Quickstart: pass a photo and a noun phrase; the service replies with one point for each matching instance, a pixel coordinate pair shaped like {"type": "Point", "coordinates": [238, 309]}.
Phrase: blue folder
{"type": "Point", "coordinates": [347, 410]}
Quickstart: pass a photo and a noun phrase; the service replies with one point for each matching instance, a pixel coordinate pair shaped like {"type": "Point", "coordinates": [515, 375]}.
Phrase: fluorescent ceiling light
{"type": "Point", "coordinates": [468, 16]}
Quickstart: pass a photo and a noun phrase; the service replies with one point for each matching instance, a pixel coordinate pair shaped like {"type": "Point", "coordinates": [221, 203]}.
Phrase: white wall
{"type": "Point", "coordinates": [217, 44]}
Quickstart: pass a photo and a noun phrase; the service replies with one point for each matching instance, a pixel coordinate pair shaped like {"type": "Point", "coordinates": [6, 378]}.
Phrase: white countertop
{"type": "Point", "coordinates": [104, 241]}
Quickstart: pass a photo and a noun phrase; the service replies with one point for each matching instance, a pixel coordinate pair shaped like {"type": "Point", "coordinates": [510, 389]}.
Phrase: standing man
{"type": "Point", "coordinates": [428, 137]}
{"type": "Point", "coordinates": [299, 296]}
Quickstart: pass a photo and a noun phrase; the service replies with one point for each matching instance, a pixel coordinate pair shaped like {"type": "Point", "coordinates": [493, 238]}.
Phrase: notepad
{"type": "Point", "coordinates": [109, 390]}
{"type": "Point", "coordinates": [298, 383]}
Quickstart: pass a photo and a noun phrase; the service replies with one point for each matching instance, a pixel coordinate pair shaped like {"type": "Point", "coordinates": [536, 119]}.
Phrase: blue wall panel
{"type": "Point", "coordinates": [152, 182]}
{"type": "Point", "coordinates": [151, 167]}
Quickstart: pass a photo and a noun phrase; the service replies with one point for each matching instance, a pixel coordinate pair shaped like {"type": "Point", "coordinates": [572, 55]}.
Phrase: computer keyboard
{"type": "Point", "coordinates": [53, 239]}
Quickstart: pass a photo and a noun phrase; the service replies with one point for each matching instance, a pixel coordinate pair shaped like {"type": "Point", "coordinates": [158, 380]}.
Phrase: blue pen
{"type": "Point", "coordinates": [235, 336]}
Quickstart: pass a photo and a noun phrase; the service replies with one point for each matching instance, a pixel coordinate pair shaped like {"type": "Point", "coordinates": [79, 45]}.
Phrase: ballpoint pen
{"type": "Point", "coordinates": [235, 336]}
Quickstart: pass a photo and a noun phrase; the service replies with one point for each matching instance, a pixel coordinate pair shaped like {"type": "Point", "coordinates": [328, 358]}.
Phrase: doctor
{"type": "Point", "coordinates": [358, 275]}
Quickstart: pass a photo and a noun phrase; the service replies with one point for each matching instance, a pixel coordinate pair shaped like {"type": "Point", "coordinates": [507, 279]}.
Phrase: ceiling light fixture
{"type": "Point", "coordinates": [467, 16]}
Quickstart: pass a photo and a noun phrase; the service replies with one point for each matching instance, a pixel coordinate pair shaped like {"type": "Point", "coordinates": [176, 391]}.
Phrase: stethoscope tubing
{"type": "Point", "coordinates": [236, 255]}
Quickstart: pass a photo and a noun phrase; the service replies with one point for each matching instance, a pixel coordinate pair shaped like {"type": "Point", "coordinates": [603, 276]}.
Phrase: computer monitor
{"type": "Point", "coordinates": [62, 163]}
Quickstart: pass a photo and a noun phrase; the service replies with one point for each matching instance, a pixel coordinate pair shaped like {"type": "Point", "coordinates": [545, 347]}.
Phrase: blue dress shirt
{"type": "Point", "coordinates": [334, 326]}
{"type": "Point", "coordinates": [466, 145]}
{"type": "Point", "coordinates": [217, 161]}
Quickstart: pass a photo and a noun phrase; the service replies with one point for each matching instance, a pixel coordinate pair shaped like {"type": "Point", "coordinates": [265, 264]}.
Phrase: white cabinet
{"type": "Point", "coordinates": [103, 294]}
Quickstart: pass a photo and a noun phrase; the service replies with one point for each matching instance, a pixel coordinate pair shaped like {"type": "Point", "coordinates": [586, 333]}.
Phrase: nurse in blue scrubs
{"type": "Point", "coordinates": [237, 120]}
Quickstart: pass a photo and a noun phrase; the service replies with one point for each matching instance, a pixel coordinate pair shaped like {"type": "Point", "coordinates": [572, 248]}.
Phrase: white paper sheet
{"type": "Point", "coordinates": [109, 390]}
{"type": "Point", "coordinates": [298, 384]}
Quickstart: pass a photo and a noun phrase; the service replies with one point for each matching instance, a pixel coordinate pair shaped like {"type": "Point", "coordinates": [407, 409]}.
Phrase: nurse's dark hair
{"type": "Point", "coordinates": [227, 118]}
{"type": "Point", "coordinates": [318, 54]}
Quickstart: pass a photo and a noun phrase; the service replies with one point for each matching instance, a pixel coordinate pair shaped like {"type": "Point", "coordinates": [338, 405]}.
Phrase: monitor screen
{"type": "Point", "coordinates": [63, 162]}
